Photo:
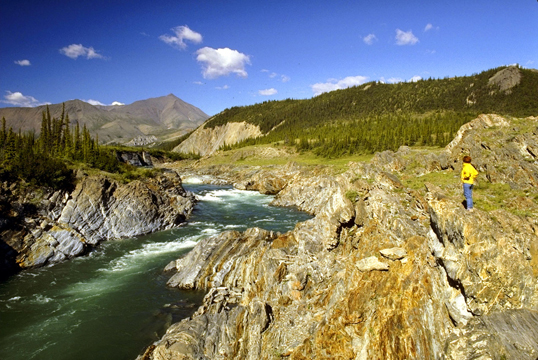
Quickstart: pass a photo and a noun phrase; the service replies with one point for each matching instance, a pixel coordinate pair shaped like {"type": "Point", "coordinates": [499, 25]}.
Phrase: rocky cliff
{"type": "Point", "coordinates": [206, 141]}
{"type": "Point", "coordinates": [40, 228]}
{"type": "Point", "coordinates": [384, 270]}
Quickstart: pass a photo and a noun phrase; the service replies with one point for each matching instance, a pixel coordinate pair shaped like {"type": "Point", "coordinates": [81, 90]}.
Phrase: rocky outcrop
{"type": "Point", "coordinates": [506, 79]}
{"type": "Point", "coordinates": [135, 158]}
{"type": "Point", "coordinates": [142, 141]}
{"type": "Point", "coordinates": [506, 151]}
{"type": "Point", "coordinates": [63, 224]}
{"type": "Point", "coordinates": [381, 272]}
{"type": "Point", "coordinates": [206, 141]}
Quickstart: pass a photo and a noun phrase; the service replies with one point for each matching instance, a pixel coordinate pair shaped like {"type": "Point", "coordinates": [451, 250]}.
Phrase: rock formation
{"type": "Point", "coordinates": [506, 79]}
{"type": "Point", "coordinates": [51, 227]}
{"type": "Point", "coordinates": [382, 271]}
{"type": "Point", "coordinates": [206, 141]}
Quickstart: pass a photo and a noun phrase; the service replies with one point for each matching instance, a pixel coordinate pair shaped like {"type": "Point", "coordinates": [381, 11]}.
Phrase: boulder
{"type": "Point", "coordinates": [395, 253]}
{"type": "Point", "coordinates": [372, 263]}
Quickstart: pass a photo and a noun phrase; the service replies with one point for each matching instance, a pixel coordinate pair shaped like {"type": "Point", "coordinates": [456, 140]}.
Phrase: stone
{"type": "Point", "coordinates": [372, 263]}
{"type": "Point", "coordinates": [206, 141]}
{"type": "Point", "coordinates": [65, 224]}
{"type": "Point", "coordinates": [394, 253]}
{"type": "Point", "coordinates": [466, 287]}
{"type": "Point", "coordinates": [512, 334]}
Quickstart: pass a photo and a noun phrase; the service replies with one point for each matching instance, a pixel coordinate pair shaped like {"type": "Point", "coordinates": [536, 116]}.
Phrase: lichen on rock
{"type": "Point", "coordinates": [452, 285]}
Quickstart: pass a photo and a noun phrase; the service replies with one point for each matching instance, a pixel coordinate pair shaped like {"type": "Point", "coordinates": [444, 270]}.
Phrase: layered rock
{"type": "Point", "coordinates": [381, 272]}
{"type": "Point", "coordinates": [506, 79]}
{"type": "Point", "coordinates": [65, 224]}
{"type": "Point", "coordinates": [134, 158]}
{"type": "Point", "coordinates": [206, 141]}
{"type": "Point", "coordinates": [506, 151]}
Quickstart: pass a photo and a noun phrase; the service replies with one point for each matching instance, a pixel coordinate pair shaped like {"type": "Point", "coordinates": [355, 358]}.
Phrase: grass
{"type": "Point", "coordinates": [128, 172]}
{"type": "Point", "coordinates": [447, 180]}
{"type": "Point", "coordinates": [486, 196]}
{"type": "Point", "coordinates": [247, 156]}
{"type": "Point", "coordinates": [352, 195]}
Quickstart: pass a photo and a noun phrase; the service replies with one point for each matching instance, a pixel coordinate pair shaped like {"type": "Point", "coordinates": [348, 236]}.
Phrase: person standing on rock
{"type": "Point", "coordinates": [468, 174]}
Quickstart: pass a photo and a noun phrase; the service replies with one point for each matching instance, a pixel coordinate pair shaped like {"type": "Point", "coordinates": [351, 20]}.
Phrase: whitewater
{"type": "Point", "coordinates": [113, 302]}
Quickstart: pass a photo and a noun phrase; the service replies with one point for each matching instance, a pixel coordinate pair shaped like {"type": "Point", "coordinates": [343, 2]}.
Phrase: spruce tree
{"type": "Point", "coordinates": [3, 132]}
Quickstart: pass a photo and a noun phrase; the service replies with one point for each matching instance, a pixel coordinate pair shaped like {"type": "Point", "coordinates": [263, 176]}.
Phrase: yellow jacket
{"type": "Point", "coordinates": [468, 173]}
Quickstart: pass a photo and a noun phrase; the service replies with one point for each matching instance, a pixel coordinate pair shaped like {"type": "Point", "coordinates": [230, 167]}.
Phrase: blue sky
{"type": "Point", "coordinates": [219, 54]}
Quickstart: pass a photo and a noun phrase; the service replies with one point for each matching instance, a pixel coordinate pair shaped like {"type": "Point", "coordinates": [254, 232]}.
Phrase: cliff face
{"type": "Point", "coordinates": [49, 228]}
{"type": "Point", "coordinates": [383, 271]}
{"type": "Point", "coordinates": [206, 141]}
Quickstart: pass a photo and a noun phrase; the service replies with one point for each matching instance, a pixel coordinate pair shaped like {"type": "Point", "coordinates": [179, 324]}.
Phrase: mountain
{"type": "Point", "coordinates": [376, 116]}
{"type": "Point", "coordinates": [160, 118]}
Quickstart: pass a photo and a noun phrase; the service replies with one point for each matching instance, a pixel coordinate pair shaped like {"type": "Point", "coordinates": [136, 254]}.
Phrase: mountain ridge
{"type": "Point", "coordinates": [376, 116]}
{"type": "Point", "coordinates": [164, 117]}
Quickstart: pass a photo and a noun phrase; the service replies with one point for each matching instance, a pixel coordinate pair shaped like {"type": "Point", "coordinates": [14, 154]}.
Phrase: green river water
{"type": "Point", "coordinates": [113, 302]}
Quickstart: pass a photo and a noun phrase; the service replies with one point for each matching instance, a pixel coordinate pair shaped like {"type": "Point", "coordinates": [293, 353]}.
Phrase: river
{"type": "Point", "coordinates": [113, 302]}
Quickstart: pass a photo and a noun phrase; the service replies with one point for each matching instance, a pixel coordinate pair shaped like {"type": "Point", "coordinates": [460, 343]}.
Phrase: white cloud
{"type": "Point", "coordinates": [268, 92]}
{"type": "Point", "coordinates": [334, 84]}
{"type": "Point", "coordinates": [225, 87]}
{"type": "Point", "coordinates": [182, 33]}
{"type": "Point", "coordinates": [272, 75]}
{"type": "Point", "coordinates": [369, 39]}
{"type": "Point", "coordinates": [23, 62]}
{"type": "Point", "coordinates": [94, 102]}
{"type": "Point", "coordinates": [396, 80]}
{"type": "Point", "coordinates": [430, 27]}
{"type": "Point", "coordinates": [405, 38]}
{"type": "Point", "coordinates": [75, 50]}
{"type": "Point", "coordinates": [198, 83]}
{"type": "Point", "coordinates": [98, 103]}
{"type": "Point", "coordinates": [18, 99]}
{"type": "Point", "coordinates": [220, 62]}
{"type": "Point", "coordinates": [392, 80]}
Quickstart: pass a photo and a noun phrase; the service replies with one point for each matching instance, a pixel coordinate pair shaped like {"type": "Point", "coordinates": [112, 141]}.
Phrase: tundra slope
{"type": "Point", "coordinates": [336, 119]}
{"type": "Point", "coordinates": [382, 271]}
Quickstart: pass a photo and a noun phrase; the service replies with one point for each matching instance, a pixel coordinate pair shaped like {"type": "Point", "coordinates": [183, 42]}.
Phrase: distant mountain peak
{"type": "Point", "coordinates": [163, 117]}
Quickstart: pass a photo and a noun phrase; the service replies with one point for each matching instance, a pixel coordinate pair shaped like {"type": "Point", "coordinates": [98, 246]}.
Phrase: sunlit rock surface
{"type": "Point", "coordinates": [64, 225]}
{"type": "Point", "coordinates": [206, 141]}
{"type": "Point", "coordinates": [381, 272]}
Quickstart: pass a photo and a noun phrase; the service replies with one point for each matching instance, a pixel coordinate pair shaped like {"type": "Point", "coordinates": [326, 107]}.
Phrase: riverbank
{"type": "Point", "coordinates": [113, 302]}
{"type": "Point", "coordinates": [41, 227]}
{"type": "Point", "coordinates": [386, 269]}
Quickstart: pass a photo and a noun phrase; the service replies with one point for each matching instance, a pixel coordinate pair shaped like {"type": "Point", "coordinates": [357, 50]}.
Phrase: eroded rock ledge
{"type": "Point", "coordinates": [388, 274]}
{"type": "Point", "coordinates": [61, 225]}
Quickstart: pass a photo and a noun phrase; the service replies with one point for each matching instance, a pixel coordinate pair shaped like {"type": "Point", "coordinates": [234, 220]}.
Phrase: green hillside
{"type": "Point", "coordinates": [376, 116]}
